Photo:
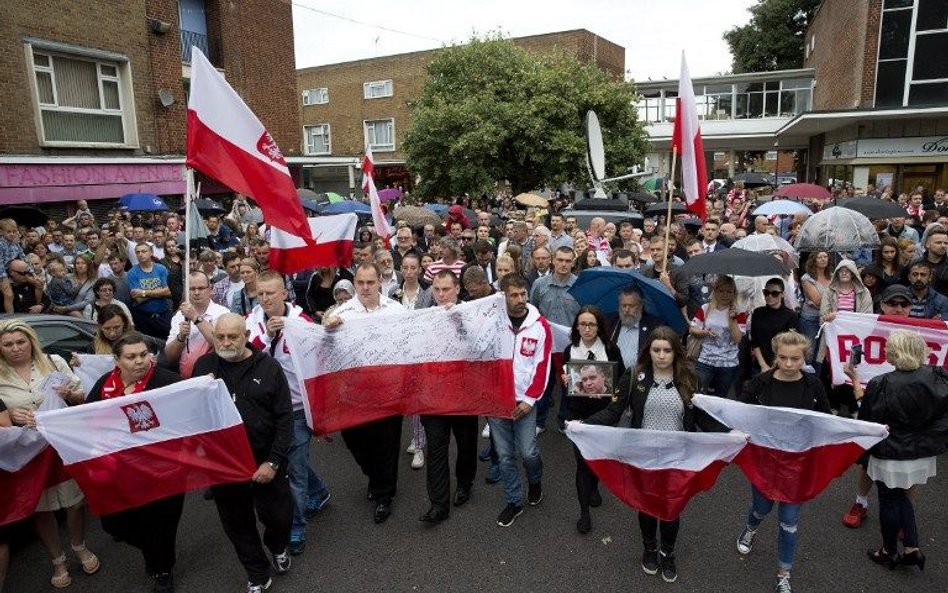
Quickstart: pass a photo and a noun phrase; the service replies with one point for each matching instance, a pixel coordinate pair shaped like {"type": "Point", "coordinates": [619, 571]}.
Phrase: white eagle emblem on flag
{"type": "Point", "coordinates": [141, 416]}
{"type": "Point", "coordinates": [528, 346]}
{"type": "Point", "coordinates": [269, 148]}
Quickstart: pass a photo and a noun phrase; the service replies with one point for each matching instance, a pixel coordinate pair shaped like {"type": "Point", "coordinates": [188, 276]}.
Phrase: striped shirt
{"type": "Point", "coordinates": [435, 267]}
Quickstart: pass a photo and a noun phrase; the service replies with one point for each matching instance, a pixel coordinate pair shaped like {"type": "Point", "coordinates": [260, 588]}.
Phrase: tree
{"type": "Point", "coordinates": [774, 37]}
{"type": "Point", "coordinates": [490, 111]}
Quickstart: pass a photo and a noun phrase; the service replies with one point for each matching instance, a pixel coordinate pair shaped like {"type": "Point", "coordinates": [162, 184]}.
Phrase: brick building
{"type": "Point", "coordinates": [345, 106]}
{"type": "Point", "coordinates": [93, 95]}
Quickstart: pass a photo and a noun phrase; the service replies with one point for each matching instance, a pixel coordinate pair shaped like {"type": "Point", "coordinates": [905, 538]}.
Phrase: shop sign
{"type": "Point", "coordinates": [839, 151]}
{"type": "Point", "coordinates": [903, 147]}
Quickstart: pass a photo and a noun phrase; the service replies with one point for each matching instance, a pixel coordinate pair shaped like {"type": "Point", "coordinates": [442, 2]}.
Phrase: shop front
{"type": "Point", "coordinates": [899, 163]}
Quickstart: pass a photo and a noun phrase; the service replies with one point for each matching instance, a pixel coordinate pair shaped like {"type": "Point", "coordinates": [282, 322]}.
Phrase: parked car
{"type": "Point", "coordinates": [64, 334]}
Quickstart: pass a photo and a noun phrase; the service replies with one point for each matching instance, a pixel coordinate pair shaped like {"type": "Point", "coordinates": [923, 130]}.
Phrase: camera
{"type": "Point", "coordinates": [855, 355]}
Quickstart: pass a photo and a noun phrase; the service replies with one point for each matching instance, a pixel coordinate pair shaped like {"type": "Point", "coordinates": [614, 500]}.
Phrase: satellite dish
{"type": "Point", "coordinates": [595, 154]}
{"type": "Point", "coordinates": [166, 97]}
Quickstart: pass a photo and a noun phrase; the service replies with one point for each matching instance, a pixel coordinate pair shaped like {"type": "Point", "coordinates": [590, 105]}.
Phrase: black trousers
{"type": "Point", "coordinates": [152, 528]}
{"type": "Point", "coordinates": [438, 431]}
{"type": "Point", "coordinates": [896, 512]}
{"type": "Point", "coordinates": [651, 527]}
{"type": "Point", "coordinates": [236, 506]}
{"type": "Point", "coordinates": [157, 325]}
{"type": "Point", "coordinates": [375, 447]}
{"type": "Point", "coordinates": [586, 482]}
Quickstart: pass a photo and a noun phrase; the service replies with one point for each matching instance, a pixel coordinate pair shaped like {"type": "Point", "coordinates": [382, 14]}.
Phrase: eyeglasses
{"type": "Point", "coordinates": [197, 288]}
{"type": "Point", "coordinates": [773, 293]}
{"type": "Point", "coordinates": [587, 324]}
{"type": "Point", "coordinates": [899, 304]}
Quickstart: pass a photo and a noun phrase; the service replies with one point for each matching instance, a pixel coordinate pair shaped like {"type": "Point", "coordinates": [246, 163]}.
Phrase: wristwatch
{"type": "Point", "coordinates": [273, 466]}
{"type": "Point", "coordinates": [198, 319]}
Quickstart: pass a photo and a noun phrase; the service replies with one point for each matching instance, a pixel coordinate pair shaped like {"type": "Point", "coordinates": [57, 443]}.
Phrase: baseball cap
{"type": "Point", "coordinates": [894, 291]}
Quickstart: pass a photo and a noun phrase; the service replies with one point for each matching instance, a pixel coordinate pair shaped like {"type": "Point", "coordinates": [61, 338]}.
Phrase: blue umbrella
{"type": "Point", "coordinates": [142, 203]}
{"type": "Point", "coordinates": [345, 207]}
{"type": "Point", "coordinates": [438, 209]}
{"type": "Point", "coordinates": [601, 287]}
{"type": "Point", "coordinates": [785, 207]}
{"type": "Point", "coordinates": [311, 205]}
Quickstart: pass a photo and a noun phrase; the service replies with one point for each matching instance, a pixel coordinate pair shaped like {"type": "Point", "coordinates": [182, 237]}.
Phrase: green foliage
{"type": "Point", "coordinates": [774, 37]}
{"type": "Point", "coordinates": [491, 111]}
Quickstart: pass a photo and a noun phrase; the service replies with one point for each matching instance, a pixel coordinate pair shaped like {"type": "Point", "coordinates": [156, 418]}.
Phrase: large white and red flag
{"type": "Point", "coordinates": [872, 333]}
{"type": "Point", "coordinates": [227, 142]}
{"type": "Point", "coordinates": [792, 455]}
{"type": "Point", "coordinates": [368, 186]}
{"type": "Point", "coordinates": [654, 471]}
{"type": "Point", "coordinates": [430, 361]}
{"type": "Point", "coordinates": [686, 142]}
{"type": "Point", "coordinates": [128, 451]}
{"type": "Point", "coordinates": [332, 246]}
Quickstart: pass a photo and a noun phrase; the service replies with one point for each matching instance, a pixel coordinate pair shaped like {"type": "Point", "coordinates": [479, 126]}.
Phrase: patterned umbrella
{"type": "Point", "coordinates": [415, 216]}
{"type": "Point", "coordinates": [837, 229]}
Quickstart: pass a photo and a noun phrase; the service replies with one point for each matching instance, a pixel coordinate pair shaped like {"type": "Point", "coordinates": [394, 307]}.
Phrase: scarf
{"type": "Point", "coordinates": [114, 387]}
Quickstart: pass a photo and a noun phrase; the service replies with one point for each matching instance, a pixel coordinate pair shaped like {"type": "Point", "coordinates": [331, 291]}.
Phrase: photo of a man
{"type": "Point", "coordinates": [590, 379]}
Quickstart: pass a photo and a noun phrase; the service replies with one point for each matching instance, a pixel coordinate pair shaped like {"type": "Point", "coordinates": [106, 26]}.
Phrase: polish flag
{"type": "Point", "coordinates": [654, 471]}
{"type": "Point", "coordinates": [226, 141]}
{"type": "Point", "coordinates": [368, 186]}
{"type": "Point", "coordinates": [792, 455]}
{"type": "Point", "coordinates": [686, 141]}
{"type": "Point", "coordinates": [333, 237]}
{"type": "Point", "coordinates": [128, 451]}
{"type": "Point", "coordinates": [432, 361]}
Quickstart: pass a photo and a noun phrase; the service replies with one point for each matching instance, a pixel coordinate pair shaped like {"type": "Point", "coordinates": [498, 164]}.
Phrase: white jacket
{"type": "Point", "coordinates": [531, 356]}
{"type": "Point", "coordinates": [279, 350]}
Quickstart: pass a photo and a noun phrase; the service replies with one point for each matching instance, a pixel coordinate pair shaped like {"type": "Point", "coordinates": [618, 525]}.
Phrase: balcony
{"type": "Point", "coordinates": [201, 41]}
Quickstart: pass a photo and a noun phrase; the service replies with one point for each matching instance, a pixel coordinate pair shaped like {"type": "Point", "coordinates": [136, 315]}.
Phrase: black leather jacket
{"type": "Point", "coordinates": [914, 405]}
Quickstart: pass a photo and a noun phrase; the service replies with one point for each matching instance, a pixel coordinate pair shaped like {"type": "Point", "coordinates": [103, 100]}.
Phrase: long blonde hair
{"type": "Point", "coordinates": [719, 283]}
{"type": "Point", "coordinates": [43, 364]}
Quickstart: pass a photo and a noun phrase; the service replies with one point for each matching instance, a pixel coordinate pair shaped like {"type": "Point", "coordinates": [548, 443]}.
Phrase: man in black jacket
{"type": "Point", "coordinates": [262, 396]}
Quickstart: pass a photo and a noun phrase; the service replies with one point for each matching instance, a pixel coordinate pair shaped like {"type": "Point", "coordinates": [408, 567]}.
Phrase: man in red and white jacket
{"type": "Point", "coordinates": [533, 342]}
{"type": "Point", "coordinates": [265, 324]}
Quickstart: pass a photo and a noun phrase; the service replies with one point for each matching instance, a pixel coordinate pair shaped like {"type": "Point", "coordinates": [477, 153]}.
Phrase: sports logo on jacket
{"type": "Point", "coordinates": [528, 346]}
{"type": "Point", "coordinates": [141, 416]}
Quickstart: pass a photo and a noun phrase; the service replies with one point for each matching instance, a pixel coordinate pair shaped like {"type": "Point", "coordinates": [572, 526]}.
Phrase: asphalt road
{"type": "Point", "coordinates": [541, 552]}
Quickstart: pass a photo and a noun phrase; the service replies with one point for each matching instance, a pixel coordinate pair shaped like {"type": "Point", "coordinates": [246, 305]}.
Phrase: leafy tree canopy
{"type": "Point", "coordinates": [774, 37]}
{"type": "Point", "coordinates": [491, 111]}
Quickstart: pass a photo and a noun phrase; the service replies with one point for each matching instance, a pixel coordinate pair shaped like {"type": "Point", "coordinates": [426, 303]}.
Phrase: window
{"type": "Point", "coordinates": [318, 96]}
{"type": "Point", "coordinates": [380, 135]}
{"type": "Point", "coordinates": [376, 89]}
{"type": "Point", "coordinates": [317, 139]}
{"type": "Point", "coordinates": [81, 99]}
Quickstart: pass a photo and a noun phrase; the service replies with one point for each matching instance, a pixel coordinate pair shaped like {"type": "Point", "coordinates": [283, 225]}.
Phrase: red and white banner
{"type": "Point", "coordinates": [686, 141]}
{"type": "Point", "coordinates": [872, 332]}
{"type": "Point", "coordinates": [368, 186]}
{"type": "Point", "coordinates": [431, 361]}
{"type": "Point", "coordinates": [792, 455]}
{"type": "Point", "coordinates": [128, 451]}
{"type": "Point", "coordinates": [333, 236]}
{"type": "Point", "coordinates": [227, 142]}
{"type": "Point", "coordinates": [656, 472]}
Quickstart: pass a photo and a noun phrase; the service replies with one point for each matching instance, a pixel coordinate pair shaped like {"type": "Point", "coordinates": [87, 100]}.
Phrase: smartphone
{"type": "Point", "coordinates": [855, 355]}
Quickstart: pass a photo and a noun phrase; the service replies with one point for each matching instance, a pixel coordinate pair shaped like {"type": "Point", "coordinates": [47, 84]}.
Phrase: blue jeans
{"type": "Point", "coordinates": [718, 379]}
{"type": "Point", "coordinates": [809, 325]}
{"type": "Point", "coordinates": [789, 517]}
{"type": "Point", "coordinates": [304, 482]}
{"type": "Point", "coordinates": [512, 438]}
{"type": "Point", "coordinates": [543, 404]}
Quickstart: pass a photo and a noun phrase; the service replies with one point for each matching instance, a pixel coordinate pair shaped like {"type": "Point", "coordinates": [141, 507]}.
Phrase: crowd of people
{"type": "Point", "coordinates": [224, 315]}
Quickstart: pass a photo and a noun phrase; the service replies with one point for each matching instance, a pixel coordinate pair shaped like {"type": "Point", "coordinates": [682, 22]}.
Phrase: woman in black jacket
{"type": "Point", "coordinates": [912, 401]}
{"type": "Point", "coordinates": [787, 386]}
{"type": "Point", "coordinates": [589, 341]}
{"type": "Point", "coordinates": [152, 527]}
{"type": "Point", "coordinates": [656, 395]}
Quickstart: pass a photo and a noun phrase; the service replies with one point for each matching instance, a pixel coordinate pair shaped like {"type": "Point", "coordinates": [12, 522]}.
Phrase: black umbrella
{"type": "Point", "coordinates": [642, 197]}
{"type": "Point", "coordinates": [25, 215]}
{"type": "Point", "coordinates": [734, 262]}
{"type": "Point", "coordinates": [874, 208]}
{"type": "Point", "coordinates": [754, 179]}
{"type": "Point", "coordinates": [662, 208]}
{"type": "Point", "coordinates": [207, 207]}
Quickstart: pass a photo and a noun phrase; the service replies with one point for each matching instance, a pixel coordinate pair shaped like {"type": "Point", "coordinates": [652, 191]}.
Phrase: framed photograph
{"type": "Point", "coordinates": [590, 378]}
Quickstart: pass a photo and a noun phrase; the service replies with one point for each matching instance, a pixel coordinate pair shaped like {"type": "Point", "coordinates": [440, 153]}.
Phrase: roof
{"type": "Point", "coordinates": [819, 122]}
{"type": "Point", "coordinates": [729, 78]}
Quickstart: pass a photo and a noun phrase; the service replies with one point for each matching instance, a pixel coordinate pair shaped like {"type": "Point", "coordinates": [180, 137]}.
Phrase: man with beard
{"type": "Point", "coordinates": [262, 396]}
{"type": "Point", "coordinates": [936, 248]}
{"type": "Point", "coordinates": [632, 327]}
{"type": "Point", "coordinates": [926, 303]}
{"type": "Point", "coordinates": [390, 279]}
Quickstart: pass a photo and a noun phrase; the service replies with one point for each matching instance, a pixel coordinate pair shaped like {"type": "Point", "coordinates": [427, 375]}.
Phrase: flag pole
{"type": "Point", "coordinates": [668, 216]}
{"type": "Point", "coordinates": [187, 233]}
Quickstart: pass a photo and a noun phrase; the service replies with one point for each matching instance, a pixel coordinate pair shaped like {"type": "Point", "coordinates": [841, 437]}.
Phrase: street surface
{"type": "Point", "coordinates": [542, 551]}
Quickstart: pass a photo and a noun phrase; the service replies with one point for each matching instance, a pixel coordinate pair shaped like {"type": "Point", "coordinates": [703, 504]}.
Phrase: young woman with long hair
{"type": "Point", "coordinates": [814, 284]}
{"type": "Point", "coordinates": [721, 326]}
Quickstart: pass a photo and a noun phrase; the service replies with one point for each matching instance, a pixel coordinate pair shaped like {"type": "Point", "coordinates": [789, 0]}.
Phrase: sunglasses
{"type": "Point", "coordinates": [773, 293]}
{"type": "Point", "coordinates": [899, 304]}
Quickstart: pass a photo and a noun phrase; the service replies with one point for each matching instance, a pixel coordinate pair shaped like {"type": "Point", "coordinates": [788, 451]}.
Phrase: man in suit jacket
{"type": "Point", "coordinates": [630, 330]}
{"type": "Point", "coordinates": [542, 265]}
{"type": "Point", "coordinates": [709, 233]}
{"type": "Point", "coordinates": [483, 259]}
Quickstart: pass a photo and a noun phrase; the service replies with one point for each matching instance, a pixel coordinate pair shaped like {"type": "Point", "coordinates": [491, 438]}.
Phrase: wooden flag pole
{"type": "Point", "coordinates": [668, 216]}
{"type": "Point", "coordinates": [189, 177]}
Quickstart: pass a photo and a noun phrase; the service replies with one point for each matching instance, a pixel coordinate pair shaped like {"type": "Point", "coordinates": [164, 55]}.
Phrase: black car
{"type": "Point", "coordinates": [64, 334]}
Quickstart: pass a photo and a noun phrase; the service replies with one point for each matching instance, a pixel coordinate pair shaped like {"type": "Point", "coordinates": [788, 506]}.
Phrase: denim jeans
{"type": "Point", "coordinates": [896, 511]}
{"type": "Point", "coordinates": [304, 482]}
{"type": "Point", "coordinates": [512, 438]}
{"type": "Point", "coordinates": [544, 403]}
{"type": "Point", "coordinates": [809, 325]}
{"type": "Point", "coordinates": [789, 517]}
{"type": "Point", "coordinates": [717, 379]}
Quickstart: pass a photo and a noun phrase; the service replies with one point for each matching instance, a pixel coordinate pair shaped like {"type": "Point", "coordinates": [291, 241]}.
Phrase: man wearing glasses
{"type": "Point", "coordinates": [192, 327]}
{"type": "Point", "coordinates": [28, 293]}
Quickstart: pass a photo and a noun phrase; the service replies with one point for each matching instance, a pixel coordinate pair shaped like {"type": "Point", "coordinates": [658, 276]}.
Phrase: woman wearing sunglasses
{"type": "Point", "coordinates": [768, 321]}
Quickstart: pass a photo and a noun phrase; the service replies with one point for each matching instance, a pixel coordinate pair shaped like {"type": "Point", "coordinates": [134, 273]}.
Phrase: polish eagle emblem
{"type": "Point", "coordinates": [141, 416]}
{"type": "Point", "coordinates": [268, 148]}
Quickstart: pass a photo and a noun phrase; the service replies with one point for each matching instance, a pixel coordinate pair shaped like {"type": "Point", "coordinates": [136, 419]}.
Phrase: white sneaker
{"type": "Point", "coordinates": [411, 448]}
{"type": "Point", "coordinates": [485, 434]}
{"type": "Point", "coordinates": [540, 430]}
{"type": "Point", "coordinates": [418, 461]}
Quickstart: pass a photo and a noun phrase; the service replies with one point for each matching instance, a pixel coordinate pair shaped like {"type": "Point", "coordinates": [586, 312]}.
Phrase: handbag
{"type": "Point", "coordinates": [693, 347]}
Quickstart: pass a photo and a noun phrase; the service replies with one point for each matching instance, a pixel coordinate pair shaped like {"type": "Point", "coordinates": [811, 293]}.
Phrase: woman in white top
{"type": "Point", "coordinates": [721, 325]}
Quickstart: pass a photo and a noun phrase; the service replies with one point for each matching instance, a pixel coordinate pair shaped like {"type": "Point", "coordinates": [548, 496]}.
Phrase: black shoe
{"type": "Point", "coordinates": [297, 545]}
{"type": "Point", "coordinates": [882, 557]}
{"type": "Point", "coordinates": [534, 494]}
{"type": "Point", "coordinates": [584, 524]}
{"type": "Point", "coordinates": [461, 496]}
{"type": "Point", "coordinates": [208, 494]}
{"type": "Point", "coordinates": [434, 516]}
{"type": "Point", "coordinates": [281, 562]}
{"type": "Point", "coordinates": [595, 499]}
{"type": "Point", "coordinates": [650, 561]}
{"type": "Point", "coordinates": [669, 570]}
{"type": "Point", "coordinates": [382, 512]}
{"type": "Point", "coordinates": [507, 516]}
{"type": "Point", "coordinates": [164, 582]}
{"type": "Point", "coordinates": [915, 558]}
